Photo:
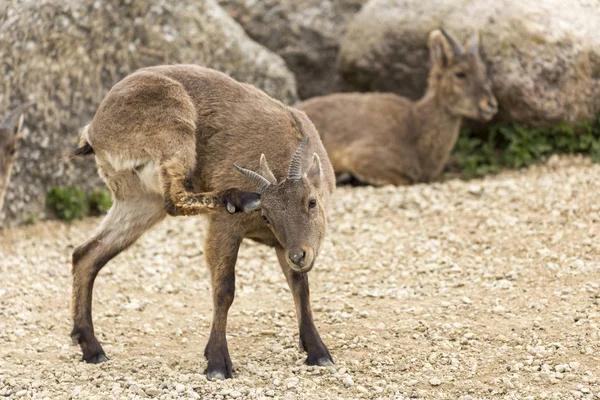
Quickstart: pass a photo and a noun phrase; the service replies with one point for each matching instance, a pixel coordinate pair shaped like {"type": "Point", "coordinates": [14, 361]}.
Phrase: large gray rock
{"type": "Point", "coordinates": [305, 33]}
{"type": "Point", "coordinates": [66, 55]}
{"type": "Point", "coordinates": [544, 55]}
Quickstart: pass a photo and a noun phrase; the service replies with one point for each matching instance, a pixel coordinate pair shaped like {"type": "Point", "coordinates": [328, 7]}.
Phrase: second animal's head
{"type": "Point", "coordinates": [293, 208]}
{"type": "Point", "coordinates": [461, 76]}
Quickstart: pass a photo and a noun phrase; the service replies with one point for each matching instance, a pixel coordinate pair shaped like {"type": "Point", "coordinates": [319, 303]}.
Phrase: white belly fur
{"type": "Point", "coordinates": [149, 176]}
{"type": "Point", "coordinates": [146, 170]}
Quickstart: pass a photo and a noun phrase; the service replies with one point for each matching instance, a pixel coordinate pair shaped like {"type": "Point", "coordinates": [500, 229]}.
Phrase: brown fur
{"type": "Point", "coordinates": [165, 140]}
{"type": "Point", "coordinates": [10, 133]}
{"type": "Point", "coordinates": [382, 138]}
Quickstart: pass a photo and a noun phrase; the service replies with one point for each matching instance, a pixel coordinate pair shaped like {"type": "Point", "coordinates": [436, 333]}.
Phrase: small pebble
{"type": "Point", "coordinates": [435, 381]}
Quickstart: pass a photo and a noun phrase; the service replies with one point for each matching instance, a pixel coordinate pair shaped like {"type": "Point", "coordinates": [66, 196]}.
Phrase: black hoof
{"type": "Point", "coordinates": [252, 205]}
{"type": "Point", "coordinates": [96, 358]}
{"type": "Point", "coordinates": [325, 361]}
{"type": "Point", "coordinates": [237, 201]}
{"type": "Point", "coordinates": [319, 355]}
{"type": "Point", "coordinates": [219, 363]}
{"type": "Point", "coordinates": [220, 373]}
{"type": "Point", "coordinates": [171, 209]}
{"type": "Point", "coordinates": [91, 349]}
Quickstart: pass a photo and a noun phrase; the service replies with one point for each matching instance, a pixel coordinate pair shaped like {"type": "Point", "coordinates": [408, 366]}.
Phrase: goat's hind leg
{"type": "Point", "coordinates": [180, 198]}
{"type": "Point", "coordinates": [128, 218]}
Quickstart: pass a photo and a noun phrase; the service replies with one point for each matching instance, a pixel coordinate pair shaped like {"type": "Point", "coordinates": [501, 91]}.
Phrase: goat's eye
{"type": "Point", "coordinates": [460, 75]}
{"type": "Point", "coordinates": [265, 219]}
{"type": "Point", "coordinates": [312, 203]}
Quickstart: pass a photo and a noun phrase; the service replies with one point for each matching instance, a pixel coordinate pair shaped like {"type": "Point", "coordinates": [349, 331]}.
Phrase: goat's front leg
{"type": "Point", "coordinates": [221, 255]}
{"type": "Point", "coordinates": [310, 340]}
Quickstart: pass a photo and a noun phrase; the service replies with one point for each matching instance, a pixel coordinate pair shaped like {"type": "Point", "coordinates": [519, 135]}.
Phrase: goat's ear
{"type": "Point", "coordinates": [440, 49]}
{"type": "Point", "coordinates": [315, 171]}
{"type": "Point", "coordinates": [265, 171]}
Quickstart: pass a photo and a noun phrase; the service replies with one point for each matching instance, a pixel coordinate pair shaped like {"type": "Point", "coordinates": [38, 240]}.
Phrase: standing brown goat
{"type": "Point", "coordinates": [382, 138]}
{"type": "Point", "coordinates": [166, 140]}
{"type": "Point", "coordinates": [10, 133]}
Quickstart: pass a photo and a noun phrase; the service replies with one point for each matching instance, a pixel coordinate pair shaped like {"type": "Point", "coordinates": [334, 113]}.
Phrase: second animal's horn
{"type": "Point", "coordinates": [456, 46]}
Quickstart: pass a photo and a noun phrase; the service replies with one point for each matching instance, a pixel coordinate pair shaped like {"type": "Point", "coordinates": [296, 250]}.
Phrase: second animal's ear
{"type": "Point", "coordinates": [315, 171]}
{"type": "Point", "coordinates": [265, 171]}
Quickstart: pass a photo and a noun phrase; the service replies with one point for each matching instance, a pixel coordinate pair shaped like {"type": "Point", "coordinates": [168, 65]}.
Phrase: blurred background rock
{"type": "Point", "coordinates": [544, 58]}
{"type": "Point", "coordinates": [306, 33]}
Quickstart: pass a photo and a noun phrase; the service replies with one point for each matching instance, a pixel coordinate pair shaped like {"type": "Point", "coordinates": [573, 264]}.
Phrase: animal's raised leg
{"type": "Point", "coordinates": [310, 340]}
{"type": "Point", "coordinates": [130, 216]}
{"type": "Point", "coordinates": [180, 198]}
{"type": "Point", "coordinates": [221, 255]}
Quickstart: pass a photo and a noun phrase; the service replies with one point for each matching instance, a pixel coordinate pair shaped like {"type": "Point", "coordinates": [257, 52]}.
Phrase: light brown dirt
{"type": "Point", "coordinates": [458, 290]}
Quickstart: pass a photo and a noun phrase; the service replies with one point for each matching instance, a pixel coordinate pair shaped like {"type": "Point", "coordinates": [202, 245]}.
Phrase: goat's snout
{"type": "Point", "coordinates": [488, 107]}
{"type": "Point", "coordinates": [297, 256]}
{"type": "Point", "coordinates": [301, 259]}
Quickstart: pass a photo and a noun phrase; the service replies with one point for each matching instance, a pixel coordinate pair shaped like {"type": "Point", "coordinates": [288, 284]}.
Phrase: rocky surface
{"type": "Point", "coordinates": [66, 55]}
{"type": "Point", "coordinates": [544, 56]}
{"type": "Point", "coordinates": [486, 289]}
{"type": "Point", "coordinates": [305, 33]}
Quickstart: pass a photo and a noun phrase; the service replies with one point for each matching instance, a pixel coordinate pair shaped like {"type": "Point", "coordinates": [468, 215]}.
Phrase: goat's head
{"type": "Point", "coordinates": [10, 133]}
{"type": "Point", "coordinates": [293, 209]}
{"type": "Point", "coordinates": [461, 77]}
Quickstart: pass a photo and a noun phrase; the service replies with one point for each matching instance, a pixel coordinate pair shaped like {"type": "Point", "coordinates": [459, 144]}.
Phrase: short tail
{"type": "Point", "coordinates": [83, 149]}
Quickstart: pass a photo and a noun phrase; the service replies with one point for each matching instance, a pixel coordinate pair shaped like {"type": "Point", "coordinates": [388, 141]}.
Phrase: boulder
{"type": "Point", "coordinates": [66, 55]}
{"type": "Point", "coordinates": [305, 33]}
{"type": "Point", "coordinates": [544, 55]}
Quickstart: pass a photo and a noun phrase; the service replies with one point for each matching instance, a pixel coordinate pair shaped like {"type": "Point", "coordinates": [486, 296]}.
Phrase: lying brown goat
{"type": "Point", "coordinates": [382, 138]}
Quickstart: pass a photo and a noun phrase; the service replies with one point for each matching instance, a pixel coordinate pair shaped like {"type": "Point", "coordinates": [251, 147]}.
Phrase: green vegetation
{"type": "Point", "coordinates": [70, 203]}
{"type": "Point", "coordinates": [511, 145]}
{"type": "Point", "coordinates": [99, 202]}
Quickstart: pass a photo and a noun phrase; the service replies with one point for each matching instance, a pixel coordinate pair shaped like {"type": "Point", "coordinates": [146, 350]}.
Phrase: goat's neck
{"type": "Point", "coordinates": [437, 130]}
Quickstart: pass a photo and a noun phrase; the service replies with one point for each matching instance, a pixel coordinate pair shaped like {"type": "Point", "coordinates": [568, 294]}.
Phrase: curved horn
{"type": "Point", "coordinates": [474, 48]}
{"type": "Point", "coordinates": [260, 181]}
{"type": "Point", "coordinates": [456, 46]}
{"type": "Point", "coordinates": [295, 169]}
{"type": "Point", "coordinates": [11, 118]}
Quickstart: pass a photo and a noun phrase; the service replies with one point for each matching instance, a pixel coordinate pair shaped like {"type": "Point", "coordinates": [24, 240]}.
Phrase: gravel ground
{"type": "Point", "coordinates": [459, 290]}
